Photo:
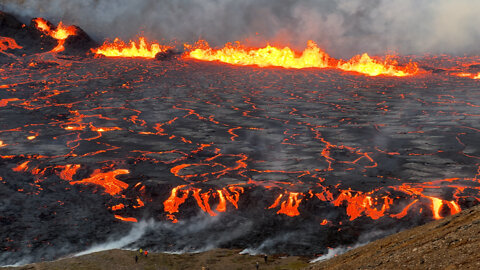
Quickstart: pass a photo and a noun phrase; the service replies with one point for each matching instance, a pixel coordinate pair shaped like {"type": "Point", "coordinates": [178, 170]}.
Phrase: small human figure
{"type": "Point", "coordinates": [146, 253]}
{"type": "Point", "coordinates": [140, 251]}
{"type": "Point", "coordinates": [257, 265]}
{"type": "Point", "coordinates": [136, 258]}
{"type": "Point", "coordinates": [265, 257]}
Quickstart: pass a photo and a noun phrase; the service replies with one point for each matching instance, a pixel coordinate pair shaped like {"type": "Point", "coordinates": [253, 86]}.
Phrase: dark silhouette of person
{"type": "Point", "coordinates": [265, 257]}
{"type": "Point", "coordinates": [257, 265]}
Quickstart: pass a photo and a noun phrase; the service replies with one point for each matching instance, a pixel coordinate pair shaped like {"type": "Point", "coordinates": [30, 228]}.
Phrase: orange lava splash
{"type": "Point", "coordinates": [311, 57]}
{"type": "Point", "coordinates": [60, 33]}
{"type": "Point", "coordinates": [118, 48]}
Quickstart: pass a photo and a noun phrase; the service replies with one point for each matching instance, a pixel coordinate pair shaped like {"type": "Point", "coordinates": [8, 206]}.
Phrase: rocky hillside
{"type": "Point", "coordinates": [450, 243]}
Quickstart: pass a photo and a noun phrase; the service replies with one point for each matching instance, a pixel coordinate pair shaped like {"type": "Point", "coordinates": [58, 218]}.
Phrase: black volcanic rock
{"type": "Point", "coordinates": [81, 43]}
{"type": "Point", "coordinates": [35, 41]}
{"type": "Point", "coordinates": [166, 55]}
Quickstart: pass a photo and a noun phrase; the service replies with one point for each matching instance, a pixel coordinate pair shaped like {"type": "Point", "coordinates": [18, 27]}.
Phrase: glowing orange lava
{"type": "Point", "coordinates": [311, 57]}
{"type": "Point", "coordinates": [288, 207]}
{"type": "Point", "coordinates": [60, 33]}
{"type": "Point", "coordinates": [118, 48]}
{"type": "Point", "coordinates": [129, 219]}
{"type": "Point", "coordinates": [8, 43]}
{"type": "Point", "coordinates": [173, 202]}
{"type": "Point", "coordinates": [468, 75]}
{"type": "Point", "coordinates": [366, 65]}
{"type": "Point", "coordinates": [108, 180]}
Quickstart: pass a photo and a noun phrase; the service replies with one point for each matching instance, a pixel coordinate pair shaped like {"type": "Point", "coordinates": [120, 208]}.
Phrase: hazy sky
{"type": "Point", "coordinates": [342, 27]}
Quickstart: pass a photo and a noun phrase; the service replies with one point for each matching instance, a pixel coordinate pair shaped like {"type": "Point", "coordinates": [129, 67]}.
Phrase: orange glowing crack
{"type": "Point", "coordinates": [404, 212]}
{"type": "Point", "coordinates": [128, 219]}
{"type": "Point", "coordinates": [118, 207]}
{"type": "Point", "coordinates": [8, 43]}
{"type": "Point", "coordinates": [4, 102]}
{"type": "Point", "coordinates": [107, 180]}
{"type": "Point", "coordinates": [21, 167]}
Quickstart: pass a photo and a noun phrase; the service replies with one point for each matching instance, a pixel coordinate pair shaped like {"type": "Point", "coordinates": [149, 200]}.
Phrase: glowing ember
{"type": "Point", "coordinates": [311, 57]}
{"type": "Point", "coordinates": [60, 33]}
{"type": "Point", "coordinates": [118, 48]}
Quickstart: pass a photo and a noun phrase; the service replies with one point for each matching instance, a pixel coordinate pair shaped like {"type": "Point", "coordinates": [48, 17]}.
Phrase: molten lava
{"type": "Point", "coordinates": [60, 33]}
{"type": "Point", "coordinates": [118, 48]}
{"type": "Point", "coordinates": [468, 75]}
{"type": "Point", "coordinates": [311, 57]}
{"type": "Point", "coordinates": [108, 180]}
{"type": "Point", "coordinates": [8, 43]}
{"type": "Point", "coordinates": [366, 65]}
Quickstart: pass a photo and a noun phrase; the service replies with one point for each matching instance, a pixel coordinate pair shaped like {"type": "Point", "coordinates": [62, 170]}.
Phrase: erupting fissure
{"type": "Point", "coordinates": [311, 57]}
{"type": "Point", "coordinates": [118, 48]}
{"type": "Point", "coordinates": [60, 33]}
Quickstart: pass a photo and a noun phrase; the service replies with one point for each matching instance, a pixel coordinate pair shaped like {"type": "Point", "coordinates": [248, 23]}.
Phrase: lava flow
{"type": "Point", "coordinates": [60, 33]}
{"type": "Point", "coordinates": [8, 43]}
{"type": "Point", "coordinates": [201, 154]}
{"type": "Point", "coordinates": [311, 57]}
{"type": "Point", "coordinates": [142, 49]}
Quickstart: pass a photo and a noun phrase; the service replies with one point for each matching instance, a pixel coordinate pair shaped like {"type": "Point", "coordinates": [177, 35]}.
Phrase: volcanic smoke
{"type": "Point", "coordinates": [256, 145]}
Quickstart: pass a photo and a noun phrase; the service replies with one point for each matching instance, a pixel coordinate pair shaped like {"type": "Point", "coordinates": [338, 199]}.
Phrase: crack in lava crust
{"type": "Point", "coordinates": [290, 160]}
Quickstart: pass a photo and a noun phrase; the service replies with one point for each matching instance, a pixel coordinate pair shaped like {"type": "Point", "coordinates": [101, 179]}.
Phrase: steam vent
{"type": "Point", "coordinates": [172, 138]}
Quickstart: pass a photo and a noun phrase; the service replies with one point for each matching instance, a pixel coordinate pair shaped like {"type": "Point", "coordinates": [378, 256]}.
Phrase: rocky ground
{"type": "Point", "coordinates": [215, 259]}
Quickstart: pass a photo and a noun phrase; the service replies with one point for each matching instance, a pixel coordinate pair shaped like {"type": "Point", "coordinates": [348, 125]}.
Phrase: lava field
{"type": "Point", "coordinates": [182, 155]}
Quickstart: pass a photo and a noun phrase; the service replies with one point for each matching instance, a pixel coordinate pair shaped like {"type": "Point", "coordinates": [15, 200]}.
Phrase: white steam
{"type": "Point", "coordinates": [137, 231]}
{"type": "Point", "coordinates": [342, 27]}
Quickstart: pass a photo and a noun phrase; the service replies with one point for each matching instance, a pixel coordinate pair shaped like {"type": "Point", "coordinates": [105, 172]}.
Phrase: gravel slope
{"type": "Point", "coordinates": [450, 243]}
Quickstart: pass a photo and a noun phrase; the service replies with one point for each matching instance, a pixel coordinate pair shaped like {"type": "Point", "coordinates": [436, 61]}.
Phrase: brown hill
{"type": "Point", "coordinates": [450, 243]}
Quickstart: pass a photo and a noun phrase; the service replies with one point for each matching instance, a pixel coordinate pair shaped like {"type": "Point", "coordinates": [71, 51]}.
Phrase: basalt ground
{"type": "Point", "coordinates": [183, 155]}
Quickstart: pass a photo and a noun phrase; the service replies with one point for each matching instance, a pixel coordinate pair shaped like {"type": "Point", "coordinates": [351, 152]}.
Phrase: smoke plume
{"type": "Point", "coordinates": [342, 27]}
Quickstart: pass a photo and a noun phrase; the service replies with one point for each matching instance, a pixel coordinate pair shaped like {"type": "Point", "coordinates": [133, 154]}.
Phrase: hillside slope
{"type": "Point", "coordinates": [450, 243]}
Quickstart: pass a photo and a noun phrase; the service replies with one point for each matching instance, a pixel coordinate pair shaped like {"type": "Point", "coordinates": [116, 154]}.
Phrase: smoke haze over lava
{"type": "Point", "coordinates": [277, 151]}
{"type": "Point", "coordinates": [344, 27]}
